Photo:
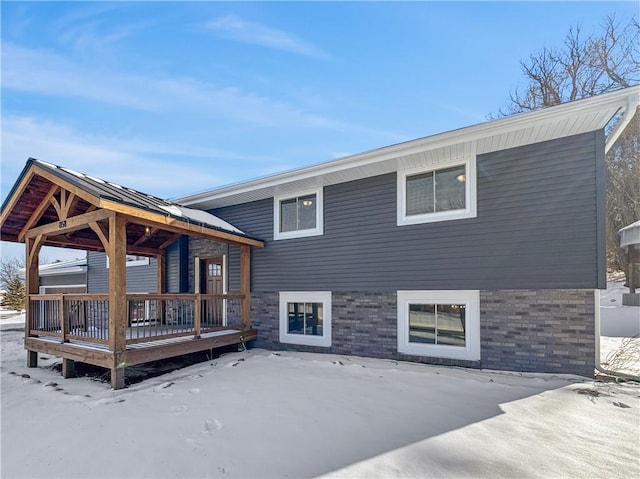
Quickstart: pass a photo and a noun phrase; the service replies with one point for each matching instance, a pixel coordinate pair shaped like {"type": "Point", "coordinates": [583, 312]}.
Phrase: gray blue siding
{"type": "Point", "coordinates": [536, 228]}
{"type": "Point", "coordinates": [140, 279]}
{"type": "Point", "coordinates": [64, 279]}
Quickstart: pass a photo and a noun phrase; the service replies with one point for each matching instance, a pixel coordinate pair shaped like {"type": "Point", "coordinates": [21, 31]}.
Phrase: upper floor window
{"type": "Point", "coordinates": [437, 194]}
{"type": "Point", "coordinates": [298, 216]}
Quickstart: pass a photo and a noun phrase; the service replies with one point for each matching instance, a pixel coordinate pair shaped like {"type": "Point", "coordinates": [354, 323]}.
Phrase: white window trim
{"type": "Point", "coordinates": [323, 297]}
{"type": "Point", "coordinates": [470, 194]}
{"type": "Point", "coordinates": [317, 231]}
{"type": "Point", "coordinates": [471, 300]}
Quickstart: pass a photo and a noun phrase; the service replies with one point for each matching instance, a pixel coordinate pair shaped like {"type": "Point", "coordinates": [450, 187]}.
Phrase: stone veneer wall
{"type": "Point", "coordinates": [521, 330]}
{"type": "Point", "coordinates": [204, 249]}
{"type": "Point", "coordinates": [538, 331]}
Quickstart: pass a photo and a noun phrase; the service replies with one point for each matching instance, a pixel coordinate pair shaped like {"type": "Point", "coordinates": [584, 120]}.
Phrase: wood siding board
{"type": "Point", "coordinates": [535, 228]}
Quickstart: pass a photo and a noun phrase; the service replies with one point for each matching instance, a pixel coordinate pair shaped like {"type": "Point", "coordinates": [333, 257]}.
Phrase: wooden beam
{"type": "Point", "coordinates": [38, 212]}
{"type": "Point", "coordinates": [96, 245]}
{"type": "Point", "coordinates": [70, 224]}
{"type": "Point", "coordinates": [94, 200]}
{"type": "Point", "coordinates": [170, 241]}
{"type": "Point", "coordinates": [32, 257]}
{"type": "Point", "coordinates": [56, 204]}
{"type": "Point", "coordinates": [101, 233]}
{"type": "Point", "coordinates": [163, 351]}
{"type": "Point", "coordinates": [89, 355]}
{"type": "Point", "coordinates": [66, 204]}
{"type": "Point", "coordinates": [245, 286]}
{"type": "Point", "coordinates": [146, 236]}
{"type": "Point", "coordinates": [16, 196]}
{"type": "Point", "coordinates": [139, 216]}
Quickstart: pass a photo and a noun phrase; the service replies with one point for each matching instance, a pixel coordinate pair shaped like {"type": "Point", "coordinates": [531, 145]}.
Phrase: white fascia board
{"type": "Point", "coordinates": [62, 271]}
{"type": "Point", "coordinates": [617, 102]}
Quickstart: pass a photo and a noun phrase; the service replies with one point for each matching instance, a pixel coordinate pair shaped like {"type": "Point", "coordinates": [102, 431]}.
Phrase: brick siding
{"type": "Point", "coordinates": [520, 330]}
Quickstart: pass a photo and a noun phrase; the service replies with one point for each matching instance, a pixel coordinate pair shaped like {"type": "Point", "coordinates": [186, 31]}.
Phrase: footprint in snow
{"type": "Point", "coordinates": [211, 425]}
{"type": "Point", "coordinates": [104, 401]}
{"type": "Point", "coordinates": [162, 386]}
{"type": "Point", "coordinates": [235, 363]}
{"type": "Point", "coordinates": [194, 391]}
{"type": "Point", "coordinates": [181, 408]}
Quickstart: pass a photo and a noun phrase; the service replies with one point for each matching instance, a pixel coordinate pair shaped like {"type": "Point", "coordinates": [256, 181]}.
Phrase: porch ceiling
{"type": "Point", "coordinates": [46, 195]}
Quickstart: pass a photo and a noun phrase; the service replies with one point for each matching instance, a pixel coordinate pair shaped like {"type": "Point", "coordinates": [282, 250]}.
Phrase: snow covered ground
{"type": "Point", "coordinates": [259, 414]}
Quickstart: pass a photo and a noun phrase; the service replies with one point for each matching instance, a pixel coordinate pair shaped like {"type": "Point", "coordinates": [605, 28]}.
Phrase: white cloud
{"type": "Point", "coordinates": [48, 73]}
{"type": "Point", "coordinates": [233, 27]}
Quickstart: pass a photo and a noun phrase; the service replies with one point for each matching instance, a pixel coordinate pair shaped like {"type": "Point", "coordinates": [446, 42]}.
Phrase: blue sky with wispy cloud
{"type": "Point", "coordinates": [176, 97]}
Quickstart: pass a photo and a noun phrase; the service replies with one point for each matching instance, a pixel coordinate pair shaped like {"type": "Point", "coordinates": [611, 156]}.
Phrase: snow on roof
{"type": "Point", "coordinates": [132, 197]}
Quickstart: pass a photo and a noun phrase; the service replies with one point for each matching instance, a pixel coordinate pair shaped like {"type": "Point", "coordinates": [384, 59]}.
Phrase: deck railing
{"type": "Point", "coordinates": [83, 317]}
{"type": "Point", "coordinates": [162, 316]}
{"type": "Point", "coordinates": [150, 317]}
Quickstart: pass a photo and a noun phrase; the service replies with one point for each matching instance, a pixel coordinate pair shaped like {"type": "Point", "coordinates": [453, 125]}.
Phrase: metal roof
{"type": "Point", "coordinates": [37, 178]}
{"type": "Point", "coordinates": [559, 121]}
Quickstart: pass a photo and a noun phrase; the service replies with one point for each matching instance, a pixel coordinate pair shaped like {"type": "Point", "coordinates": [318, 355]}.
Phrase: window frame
{"type": "Point", "coordinates": [317, 231]}
{"type": "Point", "coordinates": [471, 300]}
{"type": "Point", "coordinates": [470, 210]}
{"type": "Point", "coordinates": [323, 297]}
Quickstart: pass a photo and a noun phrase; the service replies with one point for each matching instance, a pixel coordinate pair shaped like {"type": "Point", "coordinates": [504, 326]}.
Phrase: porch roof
{"type": "Point", "coordinates": [153, 223]}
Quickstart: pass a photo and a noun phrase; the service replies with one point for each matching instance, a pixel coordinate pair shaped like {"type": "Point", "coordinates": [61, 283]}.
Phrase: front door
{"type": "Point", "coordinates": [212, 275]}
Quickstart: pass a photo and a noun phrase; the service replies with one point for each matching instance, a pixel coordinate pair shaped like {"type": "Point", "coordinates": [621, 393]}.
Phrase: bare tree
{"type": "Point", "coordinates": [585, 66]}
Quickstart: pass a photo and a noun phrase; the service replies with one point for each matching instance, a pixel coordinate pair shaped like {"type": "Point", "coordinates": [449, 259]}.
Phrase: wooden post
{"type": "Point", "coordinates": [197, 314]}
{"type": "Point", "coordinates": [32, 286]}
{"type": "Point", "coordinates": [162, 284]}
{"type": "Point", "coordinates": [68, 368]}
{"type": "Point", "coordinates": [64, 320]}
{"type": "Point", "coordinates": [245, 286]}
{"type": "Point", "coordinates": [633, 256]}
{"type": "Point", "coordinates": [117, 297]}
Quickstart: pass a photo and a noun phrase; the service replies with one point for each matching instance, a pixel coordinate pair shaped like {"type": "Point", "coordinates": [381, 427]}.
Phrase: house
{"type": "Point", "coordinates": [630, 243]}
{"type": "Point", "coordinates": [63, 277]}
{"type": "Point", "coordinates": [480, 247]}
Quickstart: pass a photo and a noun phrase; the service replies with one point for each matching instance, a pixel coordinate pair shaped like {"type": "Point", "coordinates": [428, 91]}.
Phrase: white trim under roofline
{"type": "Point", "coordinates": [618, 101]}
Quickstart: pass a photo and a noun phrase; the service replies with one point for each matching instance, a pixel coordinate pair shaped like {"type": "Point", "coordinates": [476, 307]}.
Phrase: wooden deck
{"type": "Point", "coordinates": [76, 327]}
{"type": "Point", "coordinates": [137, 353]}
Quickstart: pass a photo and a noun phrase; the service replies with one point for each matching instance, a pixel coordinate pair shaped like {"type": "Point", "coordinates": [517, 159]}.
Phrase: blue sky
{"type": "Point", "coordinates": [173, 98]}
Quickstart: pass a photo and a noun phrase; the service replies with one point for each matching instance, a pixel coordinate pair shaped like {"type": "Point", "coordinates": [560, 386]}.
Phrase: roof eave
{"type": "Point", "coordinates": [465, 134]}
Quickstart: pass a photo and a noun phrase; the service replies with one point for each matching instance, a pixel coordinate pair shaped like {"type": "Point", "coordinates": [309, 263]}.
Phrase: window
{"type": "Point", "coordinates": [305, 318]}
{"type": "Point", "coordinates": [443, 324]}
{"type": "Point", "coordinates": [298, 216]}
{"type": "Point", "coordinates": [427, 195]}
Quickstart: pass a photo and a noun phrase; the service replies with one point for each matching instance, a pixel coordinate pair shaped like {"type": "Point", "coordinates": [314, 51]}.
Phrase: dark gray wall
{"type": "Point", "coordinates": [538, 208]}
{"type": "Point", "coordinates": [140, 279]}
{"type": "Point", "coordinates": [177, 272]}
{"type": "Point", "coordinates": [63, 279]}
